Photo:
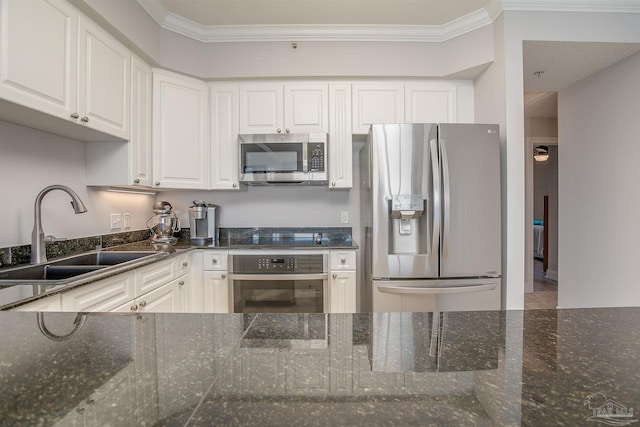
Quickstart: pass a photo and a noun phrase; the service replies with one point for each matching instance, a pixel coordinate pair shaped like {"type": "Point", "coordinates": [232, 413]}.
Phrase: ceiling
{"type": "Point", "coordinates": [322, 12]}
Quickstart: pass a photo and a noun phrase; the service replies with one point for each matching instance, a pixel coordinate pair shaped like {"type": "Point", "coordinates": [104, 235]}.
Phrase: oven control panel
{"type": "Point", "coordinates": [278, 264]}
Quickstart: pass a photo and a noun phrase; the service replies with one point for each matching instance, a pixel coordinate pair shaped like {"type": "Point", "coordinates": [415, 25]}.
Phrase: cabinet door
{"type": "Point", "coordinates": [140, 143]}
{"type": "Point", "coordinates": [342, 292]}
{"type": "Point", "coordinates": [104, 295]}
{"type": "Point", "coordinates": [104, 81]}
{"type": "Point", "coordinates": [180, 132]}
{"type": "Point", "coordinates": [224, 136]}
{"type": "Point", "coordinates": [377, 103]}
{"type": "Point", "coordinates": [261, 108]}
{"type": "Point", "coordinates": [340, 139]}
{"type": "Point", "coordinates": [306, 108]}
{"type": "Point", "coordinates": [38, 54]}
{"type": "Point", "coordinates": [217, 295]}
{"type": "Point", "coordinates": [430, 102]}
{"type": "Point", "coordinates": [166, 299]}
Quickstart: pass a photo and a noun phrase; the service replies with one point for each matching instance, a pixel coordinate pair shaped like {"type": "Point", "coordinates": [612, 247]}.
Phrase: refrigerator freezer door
{"type": "Point", "coordinates": [402, 201]}
{"type": "Point", "coordinates": [436, 295]}
{"type": "Point", "coordinates": [470, 159]}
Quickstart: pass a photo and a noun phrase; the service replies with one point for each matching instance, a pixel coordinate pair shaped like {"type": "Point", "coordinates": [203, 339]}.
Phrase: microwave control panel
{"type": "Point", "coordinates": [316, 156]}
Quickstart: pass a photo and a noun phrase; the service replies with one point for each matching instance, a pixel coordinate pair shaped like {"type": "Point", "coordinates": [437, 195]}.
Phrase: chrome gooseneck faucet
{"type": "Point", "coordinates": [38, 252]}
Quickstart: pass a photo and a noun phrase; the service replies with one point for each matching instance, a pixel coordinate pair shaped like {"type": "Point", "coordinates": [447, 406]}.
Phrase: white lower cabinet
{"type": "Point", "coordinates": [105, 295]}
{"type": "Point", "coordinates": [342, 281]}
{"type": "Point", "coordinates": [215, 282]}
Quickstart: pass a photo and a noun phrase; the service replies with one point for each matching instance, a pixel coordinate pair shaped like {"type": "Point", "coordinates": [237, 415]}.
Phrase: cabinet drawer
{"type": "Point", "coordinates": [104, 295]}
{"type": "Point", "coordinates": [154, 275]}
{"type": "Point", "coordinates": [343, 260]}
{"type": "Point", "coordinates": [215, 260]}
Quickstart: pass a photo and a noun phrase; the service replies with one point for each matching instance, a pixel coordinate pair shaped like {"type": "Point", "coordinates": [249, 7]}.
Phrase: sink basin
{"type": "Point", "coordinates": [67, 268]}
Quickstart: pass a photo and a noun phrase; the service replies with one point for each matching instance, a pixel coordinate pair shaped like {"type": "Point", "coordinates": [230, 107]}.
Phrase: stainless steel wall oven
{"type": "Point", "coordinates": [279, 282]}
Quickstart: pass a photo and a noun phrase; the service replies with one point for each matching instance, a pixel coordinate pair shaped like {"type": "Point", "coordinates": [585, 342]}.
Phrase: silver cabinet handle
{"type": "Point", "coordinates": [214, 260]}
{"type": "Point", "coordinates": [84, 119]}
{"type": "Point", "coordinates": [185, 264]}
{"type": "Point", "coordinates": [136, 181]}
{"type": "Point", "coordinates": [333, 183]}
{"type": "Point", "coordinates": [343, 260]}
{"type": "Point", "coordinates": [75, 116]}
{"type": "Point", "coordinates": [287, 130]}
{"type": "Point", "coordinates": [235, 185]}
{"type": "Point", "coordinates": [134, 307]}
{"type": "Point", "coordinates": [181, 283]}
{"type": "Point", "coordinates": [224, 276]}
{"type": "Point", "coordinates": [279, 130]}
{"type": "Point", "coordinates": [143, 303]}
{"type": "Point", "coordinates": [157, 183]}
{"type": "Point", "coordinates": [334, 275]}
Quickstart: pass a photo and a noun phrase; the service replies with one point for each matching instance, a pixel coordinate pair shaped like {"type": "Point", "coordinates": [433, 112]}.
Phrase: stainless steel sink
{"type": "Point", "coordinates": [61, 271]}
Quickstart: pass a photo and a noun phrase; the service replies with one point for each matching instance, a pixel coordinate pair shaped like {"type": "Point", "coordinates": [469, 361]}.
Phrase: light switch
{"type": "Point", "coordinates": [116, 221]}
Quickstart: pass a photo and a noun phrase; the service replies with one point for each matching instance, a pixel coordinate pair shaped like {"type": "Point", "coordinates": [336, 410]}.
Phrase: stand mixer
{"type": "Point", "coordinates": [163, 223]}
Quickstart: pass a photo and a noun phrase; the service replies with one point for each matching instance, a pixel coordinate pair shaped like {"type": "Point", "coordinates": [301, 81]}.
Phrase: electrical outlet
{"type": "Point", "coordinates": [116, 221]}
{"type": "Point", "coordinates": [126, 220]}
{"type": "Point", "coordinates": [344, 217]}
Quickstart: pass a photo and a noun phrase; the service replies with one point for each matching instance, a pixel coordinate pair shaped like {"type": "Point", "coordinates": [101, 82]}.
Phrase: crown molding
{"type": "Point", "coordinates": [375, 33]}
{"type": "Point", "coordinates": [359, 33]}
{"type": "Point", "coordinates": [599, 6]}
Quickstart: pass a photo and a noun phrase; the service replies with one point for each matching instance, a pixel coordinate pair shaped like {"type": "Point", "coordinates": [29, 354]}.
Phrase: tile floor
{"type": "Point", "coordinates": [545, 291]}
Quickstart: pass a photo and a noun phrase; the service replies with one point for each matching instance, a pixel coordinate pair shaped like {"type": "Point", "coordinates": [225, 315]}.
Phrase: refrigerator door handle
{"type": "Point", "coordinates": [394, 289]}
{"type": "Point", "coordinates": [446, 196]}
{"type": "Point", "coordinates": [435, 171]}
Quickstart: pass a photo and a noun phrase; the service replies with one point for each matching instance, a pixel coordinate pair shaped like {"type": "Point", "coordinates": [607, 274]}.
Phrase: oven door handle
{"type": "Point", "coordinates": [267, 276]}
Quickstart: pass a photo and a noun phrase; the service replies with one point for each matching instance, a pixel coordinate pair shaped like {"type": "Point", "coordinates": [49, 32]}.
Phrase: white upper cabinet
{"type": "Point", "coordinates": [140, 143]}
{"type": "Point", "coordinates": [284, 108]}
{"type": "Point", "coordinates": [224, 136]}
{"type": "Point", "coordinates": [38, 43]}
{"type": "Point", "coordinates": [306, 107]}
{"type": "Point", "coordinates": [104, 81]}
{"type": "Point", "coordinates": [340, 138]}
{"type": "Point", "coordinates": [377, 103]}
{"type": "Point", "coordinates": [432, 101]}
{"type": "Point", "coordinates": [439, 102]}
{"type": "Point", "coordinates": [56, 62]}
{"type": "Point", "coordinates": [180, 131]}
{"type": "Point", "coordinates": [127, 163]}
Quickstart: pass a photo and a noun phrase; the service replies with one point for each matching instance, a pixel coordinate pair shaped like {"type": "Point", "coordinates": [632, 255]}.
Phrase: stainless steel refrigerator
{"type": "Point", "coordinates": [431, 217]}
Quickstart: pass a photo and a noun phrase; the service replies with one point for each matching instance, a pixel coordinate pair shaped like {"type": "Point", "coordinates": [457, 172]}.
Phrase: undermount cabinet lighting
{"type": "Point", "coordinates": [541, 153]}
{"type": "Point", "coordinates": [131, 191]}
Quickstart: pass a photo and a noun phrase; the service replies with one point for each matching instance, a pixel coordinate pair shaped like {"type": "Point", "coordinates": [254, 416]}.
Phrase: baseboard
{"type": "Point", "coordinates": [552, 275]}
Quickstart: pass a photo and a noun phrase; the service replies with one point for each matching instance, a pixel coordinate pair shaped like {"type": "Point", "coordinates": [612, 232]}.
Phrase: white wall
{"type": "Point", "coordinates": [599, 232]}
{"type": "Point", "coordinates": [31, 160]}
{"type": "Point", "coordinates": [549, 26]}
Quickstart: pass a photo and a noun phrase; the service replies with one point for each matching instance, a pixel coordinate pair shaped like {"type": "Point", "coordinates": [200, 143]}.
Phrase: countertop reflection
{"type": "Point", "coordinates": [543, 367]}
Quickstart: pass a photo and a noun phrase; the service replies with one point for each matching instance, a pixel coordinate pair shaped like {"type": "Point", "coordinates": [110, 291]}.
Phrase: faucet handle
{"type": "Point", "coordinates": [53, 239]}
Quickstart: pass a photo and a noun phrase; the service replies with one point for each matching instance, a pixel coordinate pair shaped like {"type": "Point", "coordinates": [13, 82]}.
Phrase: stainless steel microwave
{"type": "Point", "coordinates": [290, 158]}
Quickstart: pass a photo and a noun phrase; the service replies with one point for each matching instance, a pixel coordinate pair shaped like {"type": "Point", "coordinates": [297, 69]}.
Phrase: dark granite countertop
{"type": "Point", "coordinates": [533, 368]}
